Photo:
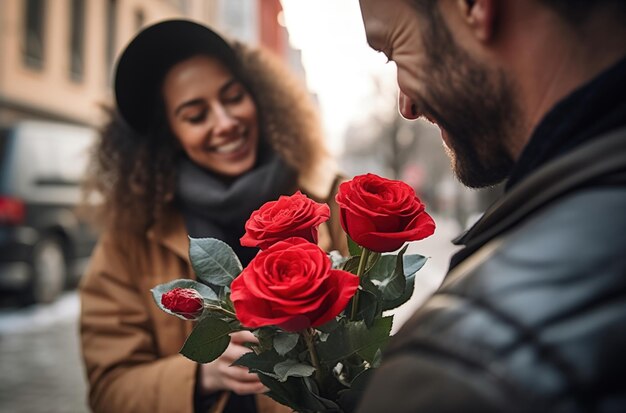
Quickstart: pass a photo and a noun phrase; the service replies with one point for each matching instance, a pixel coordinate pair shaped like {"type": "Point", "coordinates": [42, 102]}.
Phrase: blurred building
{"type": "Point", "coordinates": [386, 144]}
{"type": "Point", "coordinates": [259, 23]}
{"type": "Point", "coordinates": [57, 55]}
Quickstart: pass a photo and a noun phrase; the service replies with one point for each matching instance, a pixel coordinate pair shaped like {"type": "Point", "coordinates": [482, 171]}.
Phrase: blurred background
{"type": "Point", "coordinates": [56, 59]}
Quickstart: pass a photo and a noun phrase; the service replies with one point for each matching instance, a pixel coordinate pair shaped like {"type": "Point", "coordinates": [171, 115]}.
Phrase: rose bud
{"type": "Point", "coordinates": [382, 214]}
{"type": "Point", "coordinates": [184, 301]}
{"type": "Point", "coordinates": [289, 216]}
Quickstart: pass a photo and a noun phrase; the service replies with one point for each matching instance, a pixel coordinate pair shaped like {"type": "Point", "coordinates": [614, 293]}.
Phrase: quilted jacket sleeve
{"type": "Point", "coordinates": [410, 382]}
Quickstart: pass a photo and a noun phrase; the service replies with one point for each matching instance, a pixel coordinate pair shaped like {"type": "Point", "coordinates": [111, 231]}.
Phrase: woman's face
{"type": "Point", "coordinates": [212, 115]}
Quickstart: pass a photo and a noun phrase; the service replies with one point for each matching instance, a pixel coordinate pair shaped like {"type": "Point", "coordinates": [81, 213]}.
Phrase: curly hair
{"type": "Point", "coordinates": [133, 175]}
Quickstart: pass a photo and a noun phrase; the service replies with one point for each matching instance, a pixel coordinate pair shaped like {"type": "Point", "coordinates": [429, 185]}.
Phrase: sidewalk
{"type": "Point", "coordinates": [439, 249]}
{"type": "Point", "coordinates": [40, 359]}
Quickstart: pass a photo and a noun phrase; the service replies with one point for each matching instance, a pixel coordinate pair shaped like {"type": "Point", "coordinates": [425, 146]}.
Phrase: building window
{"type": "Point", "coordinates": [77, 40]}
{"type": "Point", "coordinates": [33, 33]}
{"type": "Point", "coordinates": [111, 38]}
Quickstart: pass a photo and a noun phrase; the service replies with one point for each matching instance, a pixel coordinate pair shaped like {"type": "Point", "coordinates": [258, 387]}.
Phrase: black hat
{"type": "Point", "coordinates": [147, 58]}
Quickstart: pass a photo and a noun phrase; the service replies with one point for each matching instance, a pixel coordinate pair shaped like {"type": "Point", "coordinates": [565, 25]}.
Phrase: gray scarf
{"type": "Point", "coordinates": [212, 207]}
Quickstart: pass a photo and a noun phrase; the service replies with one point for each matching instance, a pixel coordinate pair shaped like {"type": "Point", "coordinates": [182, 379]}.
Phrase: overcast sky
{"type": "Point", "coordinates": [339, 63]}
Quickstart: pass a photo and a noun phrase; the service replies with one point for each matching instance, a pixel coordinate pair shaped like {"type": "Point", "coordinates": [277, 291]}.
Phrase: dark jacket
{"type": "Point", "coordinates": [532, 315]}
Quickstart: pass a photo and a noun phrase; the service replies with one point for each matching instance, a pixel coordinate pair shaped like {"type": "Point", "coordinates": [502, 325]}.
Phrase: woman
{"type": "Point", "coordinates": [209, 133]}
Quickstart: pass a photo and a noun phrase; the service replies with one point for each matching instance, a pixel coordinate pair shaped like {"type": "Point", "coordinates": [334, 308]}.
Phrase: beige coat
{"type": "Point", "coordinates": [130, 346]}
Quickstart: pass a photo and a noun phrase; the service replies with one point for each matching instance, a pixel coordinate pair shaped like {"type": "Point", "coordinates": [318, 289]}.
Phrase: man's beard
{"type": "Point", "coordinates": [473, 104]}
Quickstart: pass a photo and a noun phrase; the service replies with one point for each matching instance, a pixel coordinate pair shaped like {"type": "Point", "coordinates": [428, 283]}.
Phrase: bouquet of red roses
{"type": "Point", "coordinates": [319, 318]}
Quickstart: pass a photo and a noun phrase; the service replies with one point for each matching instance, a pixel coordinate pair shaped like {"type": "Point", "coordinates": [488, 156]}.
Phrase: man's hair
{"type": "Point", "coordinates": [575, 11]}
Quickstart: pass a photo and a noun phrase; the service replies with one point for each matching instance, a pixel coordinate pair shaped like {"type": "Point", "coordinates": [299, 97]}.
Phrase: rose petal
{"type": "Point", "coordinates": [345, 285]}
{"type": "Point", "coordinates": [291, 285]}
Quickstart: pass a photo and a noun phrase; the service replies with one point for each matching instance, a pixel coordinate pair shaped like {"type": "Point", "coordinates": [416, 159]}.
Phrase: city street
{"type": "Point", "coordinates": [40, 355]}
{"type": "Point", "coordinates": [40, 359]}
{"type": "Point", "coordinates": [438, 249]}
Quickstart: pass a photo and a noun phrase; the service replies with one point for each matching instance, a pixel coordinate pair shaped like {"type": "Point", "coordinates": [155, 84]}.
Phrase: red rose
{"type": "Point", "coordinates": [184, 301]}
{"type": "Point", "coordinates": [289, 216]}
{"type": "Point", "coordinates": [291, 285]}
{"type": "Point", "coordinates": [382, 214]}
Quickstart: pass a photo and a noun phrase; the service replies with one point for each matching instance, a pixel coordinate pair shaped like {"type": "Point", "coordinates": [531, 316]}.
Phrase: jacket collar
{"type": "Point", "coordinates": [171, 233]}
{"type": "Point", "coordinates": [599, 162]}
{"type": "Point", "coordinates": [593, 109]}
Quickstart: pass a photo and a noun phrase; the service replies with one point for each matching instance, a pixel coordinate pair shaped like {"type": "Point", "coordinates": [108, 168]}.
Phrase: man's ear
{"type": "Point", "coordinates": [479, 16]}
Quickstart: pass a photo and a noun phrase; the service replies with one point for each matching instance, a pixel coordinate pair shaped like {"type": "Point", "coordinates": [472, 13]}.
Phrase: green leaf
{"type": "Point", "coordinates": [207, 341]}
{"type": "Point", "coordinates": [289, 390]}
{"type": "Point", "coordinates": [368, 307]}
{"type": "Point", "coordinates": [361, 380]}
{"type": "Point", "coordinates": [355, 338]}
{"type": "Point", "coordinates": [285, 342]}
{"type": "Point", "coordinates": [413, 263]}
{"type": "Point", "coordinates": [292, 368]}
{"type": "Point", "coordinates": [329, 327]}
{"type": "Point", "coordinates": [406, 295]}
{"type": "Point", "coordinates": [313, 387]}
{"type": "Point", "coordinates": [352, 264]}
{"type": "Point", "coordinates": [293, 393]}
{"type": "Point", "coordinates": [262, 363]}
{"type": "Point", "coordinates": [282, 393]}
{"type": "Point", "coordinates": [349, 399]}
{"type": "Point", "coordinates": [388, 275]}
{"type": "Point", "coordinates": [353, 248]}
{"type": "Point", "coordinates": [372, 259]}
{"type": "Point", "coordinates": [367, 285]}
{"type": "Point", "coordinates": [226, 303]}
{"type": "Point", "coordinates": [378, 336]}
{"type": "Point", "coordinates": [378, 357]}
{"type": "Point", "coordinates": [266, 337]}
{"type": "Point", "coordinates": [213, 261]}
{"type": "Point", "coordinates": [206, 292]}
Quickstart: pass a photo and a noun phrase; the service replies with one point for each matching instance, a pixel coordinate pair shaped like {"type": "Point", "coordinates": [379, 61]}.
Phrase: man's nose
{"type": "Point", "coordinates": [407, 108]}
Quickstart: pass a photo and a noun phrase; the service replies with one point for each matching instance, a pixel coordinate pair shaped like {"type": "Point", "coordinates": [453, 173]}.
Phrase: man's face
{"type": "Point", "coordinates": [471, 103]}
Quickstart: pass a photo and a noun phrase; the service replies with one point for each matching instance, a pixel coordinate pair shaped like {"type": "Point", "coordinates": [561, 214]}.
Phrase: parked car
{"type": "Point", "coordinates": [44, 246]}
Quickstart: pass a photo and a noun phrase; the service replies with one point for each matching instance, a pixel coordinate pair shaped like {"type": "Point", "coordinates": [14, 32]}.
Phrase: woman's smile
{"type": "Point", "coordinates": [212, 115]}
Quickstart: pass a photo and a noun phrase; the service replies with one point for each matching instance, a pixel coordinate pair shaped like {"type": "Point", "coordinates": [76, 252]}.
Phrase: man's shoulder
{"type": "Point", "coordinates": [596, 166]}
{"type": "Point", "coordinates": [571, 249]}
{"type": "Point", "coordinates": [523, 311]}
{"type": "Point", "coordinates": [570, 245]}
{"type": "Point", "coordinates": [579, 229]}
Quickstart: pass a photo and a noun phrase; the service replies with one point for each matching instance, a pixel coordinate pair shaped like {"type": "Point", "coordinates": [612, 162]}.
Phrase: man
{"type": "Point", "coordinates": [532, 314]}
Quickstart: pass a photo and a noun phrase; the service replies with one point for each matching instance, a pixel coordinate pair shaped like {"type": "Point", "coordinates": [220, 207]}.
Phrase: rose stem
{"type": "Point", "coordinates": [221, 310]}
{"type": "Point", "coordinates": [309, 335]}
{"type": "Point", "coordinates": [359, 272]}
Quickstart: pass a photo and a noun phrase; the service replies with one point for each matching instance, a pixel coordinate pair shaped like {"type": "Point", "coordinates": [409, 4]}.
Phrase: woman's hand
{"type": "Point", "coordinates": [220, 375]}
